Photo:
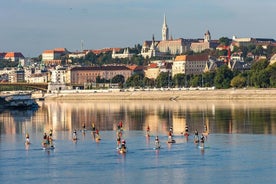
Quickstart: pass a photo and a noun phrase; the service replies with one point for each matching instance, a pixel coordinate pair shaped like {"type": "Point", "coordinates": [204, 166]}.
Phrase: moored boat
{"type": "Point", "coordinates": [17, 100]}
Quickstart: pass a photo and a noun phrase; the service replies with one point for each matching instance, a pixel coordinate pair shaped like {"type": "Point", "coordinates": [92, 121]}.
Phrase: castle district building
{"type": "Point", "coordinates": [125, 54]}
{"type": "Point", "coordinates": [189, 64]}
{"type": "Point", "coordinates": [166, 46]}
{"type": "Point", "coordinates": [12, 56]}
{"type": "Point", "coordinates": [81, 75]}
{"type": "Point", "coordinates": [205, 43]}
{"type": "Point", "coordinates": [54, 56]}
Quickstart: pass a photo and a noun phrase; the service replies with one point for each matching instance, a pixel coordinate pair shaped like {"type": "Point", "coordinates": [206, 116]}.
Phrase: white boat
{"type": "Point", "coordinates": [18, 100]}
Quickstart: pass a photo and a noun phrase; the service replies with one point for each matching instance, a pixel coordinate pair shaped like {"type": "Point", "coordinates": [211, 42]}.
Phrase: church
{"type": "Point", "coordinates": [170, 46]}
{"type": "Point", "coordinates": [167, 46]}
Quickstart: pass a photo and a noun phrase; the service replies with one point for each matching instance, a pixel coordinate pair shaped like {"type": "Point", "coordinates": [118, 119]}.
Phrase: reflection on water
{"type": "Point", "coordinates": [218, 117]}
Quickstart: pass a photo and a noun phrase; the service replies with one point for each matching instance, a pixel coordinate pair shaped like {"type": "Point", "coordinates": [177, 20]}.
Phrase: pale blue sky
{"type": "Point", "coordinates": [31, 26]}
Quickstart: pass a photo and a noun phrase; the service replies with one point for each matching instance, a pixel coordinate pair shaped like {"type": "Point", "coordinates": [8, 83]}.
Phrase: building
{"type": "Point", "coordinates": [244, 42]}
{"type": "Point", "coordinates": [189, 64]}
{"type": "Point", "coordinates": [58, 75]}
{"type": "Point", "coordinates": [54, 57]}
{"type": "Point", "coordinates": [152, 71]}
{"type": "Point", "coordinates": [156, 67]}
{"type": "Point", "coordinates": [125, 54]}
{"type": "Point", "coordinates": [58, 79]}
{"type": "Point", "coordinates": [38, 78]}
{"type": "Point", "coordinates": [166, 46]}
{"type": "Point", "coordinates": [17, 75]}
{"type": "Point", "coordinates": [205, 43]}
{"type": "Point", "coordinates": [81, 75]}
{"type": "Point", "coordinates": [272, 59]}
{"type": "Point", "coordinates": [12, 56]}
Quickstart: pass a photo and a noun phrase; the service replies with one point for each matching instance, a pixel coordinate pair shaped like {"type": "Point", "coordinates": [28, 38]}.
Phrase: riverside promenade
{"type": "Point", "coordinates": [172, 94]}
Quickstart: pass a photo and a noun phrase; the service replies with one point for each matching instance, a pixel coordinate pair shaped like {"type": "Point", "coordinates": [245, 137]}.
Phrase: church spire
{"type": "Point", "coordinates": [165, 30]}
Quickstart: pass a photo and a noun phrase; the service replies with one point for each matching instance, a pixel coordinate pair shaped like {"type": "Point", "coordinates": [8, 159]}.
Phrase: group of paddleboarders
{"type": "Point", "coordinates": [121, 143]}
{"type": "Point", "coordinates": [198, 139]}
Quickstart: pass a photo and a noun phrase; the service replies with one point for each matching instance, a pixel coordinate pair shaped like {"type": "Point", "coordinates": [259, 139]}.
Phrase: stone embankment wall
{"type": "Point", "coordinates": [229, 94]}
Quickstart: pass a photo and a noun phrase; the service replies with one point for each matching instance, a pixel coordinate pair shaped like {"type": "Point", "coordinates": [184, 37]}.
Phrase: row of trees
{"type": "Point", "coordinates": [261, 75]}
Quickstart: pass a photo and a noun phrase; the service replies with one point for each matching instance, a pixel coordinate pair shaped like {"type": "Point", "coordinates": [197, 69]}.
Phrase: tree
{"type": "Point", "coordinates": [179, 80]}
{"type": "Point", "coordinates": [262, 79]}
{"type": "Point", "coordinates": [135, 80]}
{"type": "Point", "coordinates": [272, 74]}
{"type": "Point", "coordinates": [224, 41]}
{"type": "Point", "coordinates": [238, 81]}
{"type": "Point", "coordinates": [119, 79]}
{"type": "Point", "coordinates": [208, 78]}
{"type": "Point", "coordinates": [148, 82]}
{"type": "Point", "coordinates": [223, 77]}
{"type": "Point", "coordinates": [195, 81]}
{"type": "Point", "coordinates": [162, 80]}
{"type": "Point", "coordinates": [257, 71]}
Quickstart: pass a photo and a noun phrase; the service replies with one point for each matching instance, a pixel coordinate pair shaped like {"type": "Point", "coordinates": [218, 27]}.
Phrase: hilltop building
{"type": "Point", "coordinates": [54, 57]}
{"type": "Point", "coordinates": [244, 42]}
{"type": "Point", "coordinates": [167, 46]}
{"type": "Point", "coordinates": [205, 43]}
{"type": "Point", "coordinates": [12, 56]}
{"type": "Point", "coordinates": [125, 54]}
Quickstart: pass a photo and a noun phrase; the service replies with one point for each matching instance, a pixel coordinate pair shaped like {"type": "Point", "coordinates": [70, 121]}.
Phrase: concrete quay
{"type": "Point", "coordinates": [174, 95]}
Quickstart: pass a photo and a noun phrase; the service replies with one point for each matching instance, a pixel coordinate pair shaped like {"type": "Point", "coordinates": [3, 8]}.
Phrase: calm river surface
{"type": "Point", "coordinates": [240, 148]}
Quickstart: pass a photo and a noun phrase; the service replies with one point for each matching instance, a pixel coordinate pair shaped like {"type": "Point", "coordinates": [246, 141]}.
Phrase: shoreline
{"type": "Point", "coordinates": [173, 95]}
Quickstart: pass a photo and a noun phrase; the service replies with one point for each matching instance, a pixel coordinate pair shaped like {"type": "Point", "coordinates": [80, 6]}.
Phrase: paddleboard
{"type": "Point", "coordinates": [122, 151]}
{"type": "Point", "coordinates": [48, 148]}
{"type": "Point", "coordinates": [172, 141]}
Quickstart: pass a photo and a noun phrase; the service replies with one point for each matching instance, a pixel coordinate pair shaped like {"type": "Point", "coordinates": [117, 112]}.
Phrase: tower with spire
{"type": "Point", "coordinates": [165, 30]}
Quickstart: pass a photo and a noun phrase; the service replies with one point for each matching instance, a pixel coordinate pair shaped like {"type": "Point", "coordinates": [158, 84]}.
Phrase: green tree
{"type": "Point", "coordinates": [257, 71]}
{"type": "Point", "coordinates": [135, 80]}
{"type": "Point", "coordinates": [195, 81]}
{"type": "Point", "coordinates": [224, 41]}
{"type": "Point", "coordinates": [208, 78]}
{"type": "Point", "coordinates": [162, 80]}
{"type": "Point", "coordinates": [179, 80]}
{"type": "Point", "coordinates": [223, 77]}
{"type": "Point", "coordinates": [238, 82]}
{"type": "Point", "coordinates": [119, 79]}
{"type": "Point", "coordinates": [148, 82]}
{"type": "Point", "coordinates": [272, 74]}
{"type": "Point", "coordinates": [262, 79]}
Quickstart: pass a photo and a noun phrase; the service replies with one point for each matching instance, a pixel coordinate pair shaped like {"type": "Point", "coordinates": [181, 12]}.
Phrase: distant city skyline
{"type": "Point", "coordinates": [32, 26]}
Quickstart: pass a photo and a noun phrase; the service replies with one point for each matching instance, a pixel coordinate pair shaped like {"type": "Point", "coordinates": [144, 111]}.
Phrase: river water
{"type": "Point", "coordinates": [239, 149]}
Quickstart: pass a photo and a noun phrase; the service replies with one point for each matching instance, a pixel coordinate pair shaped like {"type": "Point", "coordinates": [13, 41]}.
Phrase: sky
{"type": "Point", "coordinates": [32, 26]}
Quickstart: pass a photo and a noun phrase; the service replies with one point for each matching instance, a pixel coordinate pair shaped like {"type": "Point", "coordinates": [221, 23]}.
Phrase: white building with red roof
{"type": "Point", "coordinates": [12, 56]}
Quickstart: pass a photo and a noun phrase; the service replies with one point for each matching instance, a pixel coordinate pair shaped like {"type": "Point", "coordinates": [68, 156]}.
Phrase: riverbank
{"type": "Point", "coordinates": [206, 95]}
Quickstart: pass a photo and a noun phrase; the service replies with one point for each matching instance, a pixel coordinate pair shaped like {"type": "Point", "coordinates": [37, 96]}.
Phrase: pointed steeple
{"type": "Point", "coordinates": [165, 30]}
{"type": "Point", "coordinates": [165, 21]}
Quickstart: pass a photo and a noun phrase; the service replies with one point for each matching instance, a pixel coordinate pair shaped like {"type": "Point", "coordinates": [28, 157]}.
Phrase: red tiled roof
{"type": "Point", "coordinates": [48, 51]}
{"type": "Point", "coordinates": [100, 68]}
{"type": "Point", "coordinates": [153, 65]}
{"type": "Point", "coordinates": [203, 57]}
{"type": "Point", "coordinates": [13, 54]}
{"type": "Point", "coordinates": [99, 51]}
{"type": "Point", "coordinates": [60, 49]}
{"type": "Point", "coordinates": [132, 67]}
